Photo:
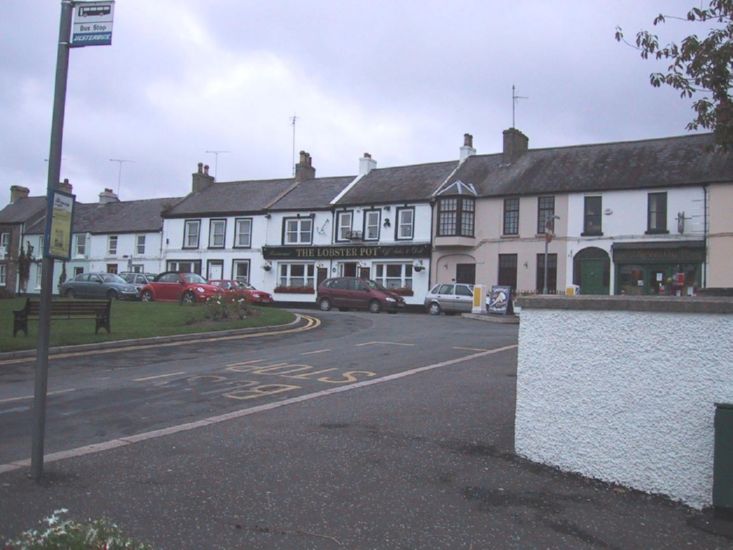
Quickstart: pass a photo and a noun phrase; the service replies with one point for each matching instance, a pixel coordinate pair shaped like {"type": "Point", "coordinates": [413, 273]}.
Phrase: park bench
{"type": "Point", "coordinates": [99, 310]}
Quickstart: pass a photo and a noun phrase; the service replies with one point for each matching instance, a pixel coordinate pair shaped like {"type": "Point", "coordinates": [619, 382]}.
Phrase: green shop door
{"type": "Point", "coordinates": [591, 277]}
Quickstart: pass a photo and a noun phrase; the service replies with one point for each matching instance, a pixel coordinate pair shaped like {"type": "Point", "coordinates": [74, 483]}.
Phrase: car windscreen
{"type": "Point", "coordinates": [194, 278]}
{"type": "Point", "coordinates": [111, 278]}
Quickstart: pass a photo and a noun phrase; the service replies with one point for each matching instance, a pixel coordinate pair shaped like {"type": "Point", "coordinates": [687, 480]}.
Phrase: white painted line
{"type": "Point", "coordinates": [121, 442]}
{"type": "Point", "coordinates": [157, 376]}
{"type": "Point", "coordinates": [469, 349]}
{"type": "Point", "coordinates": [384, 344]}
{"type": "Point", "coordinates": [58, 392]}
{"type": "Point", "coordinates": [16, 409]}
{"type": "Point", "coordinates": [314, 352]}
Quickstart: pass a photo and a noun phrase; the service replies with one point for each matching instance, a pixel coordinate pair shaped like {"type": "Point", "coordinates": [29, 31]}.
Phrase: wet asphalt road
{"type": "Point", "coordinates": [419, 460]}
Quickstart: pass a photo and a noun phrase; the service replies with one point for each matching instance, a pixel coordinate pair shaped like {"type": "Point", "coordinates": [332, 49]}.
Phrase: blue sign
{"type": "Point", "coordinates": [92, 24]}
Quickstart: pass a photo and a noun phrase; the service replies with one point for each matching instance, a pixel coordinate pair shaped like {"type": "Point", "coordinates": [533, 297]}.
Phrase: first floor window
{"type": "Point", "coordinates": [298, 230]}
{"type": "Point", "coordinates": [184, 266]}
{"type": "Point", "coordinates": [140, 244]}
{"type": "Point", "coordinates": [5, 242]}
{"type": "Point", "coordinates": [191, 233]}
{"type": "Point", "coordinates": [217, 232]}
{"type": "Point", "coordinates": [81, 244]}
{"type": "Point", "coordinates": [456, 217]}
{"type": "Point", "coordinates": [592, 216]}
{"type": "Point", "coordinates": [657, 213]}
{"type": "Point", "coordinates": [243, 233]}
{"type": "Point", "coordinates": [508, 270]}
{"type": "Point", "coordinates": [405, 223]}
{"type": "Point", "coordinates": [3, 274]}
{"type": "Point", "coordinates": [297, 275]}
{"type": "Point", "coordinates": [511, 216]}
{"type": "Point", "coordinates": [545, 214]}
{"type": "Point", "coordinates": [343, 224]}
{"type": "Point", "coordinates": [394, 275]}
{"type": "Point", "coordinates": [551, 273]}
{"type": "Point", "coordinates": [112, 245]}
{"type": "Point", "coordinates": [240, 270]}
{"type": "Point", "coordinates": [371, 225]}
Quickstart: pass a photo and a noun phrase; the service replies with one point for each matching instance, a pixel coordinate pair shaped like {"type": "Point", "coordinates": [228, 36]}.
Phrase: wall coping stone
{"type": "Point", "coordinates": [663, 304]}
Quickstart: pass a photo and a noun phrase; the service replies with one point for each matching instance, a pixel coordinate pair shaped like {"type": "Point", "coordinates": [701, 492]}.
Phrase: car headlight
{"type": "Point", "coordinates": [389, 299]}
{"type": "Point", "coordinates": [200, 289]}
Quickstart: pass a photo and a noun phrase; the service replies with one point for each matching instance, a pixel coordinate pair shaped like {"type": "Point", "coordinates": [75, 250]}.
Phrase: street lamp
{"type": "Point", "coordinates": [549, 229]}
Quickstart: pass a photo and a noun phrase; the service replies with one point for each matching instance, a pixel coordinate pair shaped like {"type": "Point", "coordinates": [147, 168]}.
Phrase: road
{"type": "Point", "coordinates": [94, 398]}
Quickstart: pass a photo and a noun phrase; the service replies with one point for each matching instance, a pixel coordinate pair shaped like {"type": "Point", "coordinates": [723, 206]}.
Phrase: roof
{"type": "Point", "coordinates": [232, 198]}
{"type": "Point", "coordinates": [313, 194]}
{"type": "Point", "coordinates": [399, 184]}
{"type": "Point", "coordinates": [666, 162]}
{"type": "Point", "coordinates": [23, 210]}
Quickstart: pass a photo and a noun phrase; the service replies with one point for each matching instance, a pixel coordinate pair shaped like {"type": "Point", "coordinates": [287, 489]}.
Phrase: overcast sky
{"type": "Point", "coordinates": [402, 80]}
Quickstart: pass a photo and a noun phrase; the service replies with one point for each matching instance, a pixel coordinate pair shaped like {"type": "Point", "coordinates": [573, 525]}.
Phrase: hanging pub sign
{"type": "Point", "coordinates": [500, 300]}
{"type": "Point", "coordinates": [57, 240]}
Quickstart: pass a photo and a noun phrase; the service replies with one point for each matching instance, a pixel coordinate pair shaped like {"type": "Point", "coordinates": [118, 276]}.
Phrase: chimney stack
{"type": "Point", "coordinates": [467, 150]}
{"type": "Point", "coordinates": [65, 186]}
{"type": "Point", "coordinates": [304, 169]}
{"type": "Point", "coordinates": [108, 196]}
{"type": "Point", "coordinates": [515, 145]}
{"type": "Point", "coordinates": [201, 178]}
{"type": "Point", "coordinates": [18, 192]}
{"type": "Point", "coordinates": [366, 164]}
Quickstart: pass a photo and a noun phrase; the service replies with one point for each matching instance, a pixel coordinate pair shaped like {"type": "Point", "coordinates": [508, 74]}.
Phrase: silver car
{"type": "Point", "coordinates": [98, 285]}
{"type": "Point", "coordinates": [449, 298]}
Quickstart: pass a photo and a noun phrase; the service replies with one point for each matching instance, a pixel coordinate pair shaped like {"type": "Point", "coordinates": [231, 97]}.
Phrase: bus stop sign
{"type": "Point", "coordinates": [92, 24]}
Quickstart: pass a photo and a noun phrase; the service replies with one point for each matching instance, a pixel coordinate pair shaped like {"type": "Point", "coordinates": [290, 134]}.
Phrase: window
{"type": "Point", "coordinates": [298, 230]}
{"type": "Point", "coordinates": [140, 244]}
{"type": "Point", "coordinates": [545, 213]}
{"type": "Point", "coordinates": [240, 270]}
{"type": "Point", "coordinates": [215, 269]}
{"type": "Point", "coordinates": [5, 242]}
{"type": "Point", "coordinates": [217, 233]}
{"type": "Point", "coordinates": [297, 275]}
{"type": "Point", "coordinates": [657, 213]}
{"type": "Point", "coordinates": [112, 245]}
{"type": "Point", "coordinates": [551, 273]}
{"type": "Point", "coordinates": [78, 271]}
{"type": "Point", "coordinates": [243, 233]}
{"type": "Point", "coordinates": [456, 217]}
{"type": "Point", "coordinates": [3, 276]}
{"type": "Point", "coordinates": [81, 244]}
{"type": "Point", "coordinates": [344, 222]}
{"type": "Point", "coordinates": [394, 275]}
{"type": "Point", "coordinates": [191, 229]}
{"type": "Point", "coordinates": [405, 224]}
{"type": "Point", "coordinates": [511, 216]}
{"type": "Point", "coordinates": [592, 216]}
{"type": "Point", "coordinates": [111, 268]}
{"type": "Point", "coordinates": [184, 266]}
{"type": "Point", "coordinates": [137, 268]}
{"type": "Point", "coordinates": [372, 219]}
{"type": "Point", "coordinates": [508, 270]}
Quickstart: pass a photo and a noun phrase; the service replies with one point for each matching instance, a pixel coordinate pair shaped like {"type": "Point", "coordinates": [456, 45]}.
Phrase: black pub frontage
{"type": "Point", "coordinates": [404, 268]}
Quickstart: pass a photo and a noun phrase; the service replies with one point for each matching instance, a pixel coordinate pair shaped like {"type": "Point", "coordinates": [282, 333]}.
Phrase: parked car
{"type": "Point", "coordinates": [138, 280]}
{"type": "Point", "coordinates": [172, 286]}
{"type": "Point", "coordinates": [449, 298]}
{"type": "Point", "coordinates": [98, 285]}
{"type": "Point", "coordinates": [232, 287]}
{"type": "Point", "coordinates": [353, 292]}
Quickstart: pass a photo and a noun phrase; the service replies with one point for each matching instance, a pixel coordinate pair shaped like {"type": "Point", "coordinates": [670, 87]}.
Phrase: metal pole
{"type": "Point", "coordinates": [547, 242]}
{"type": "Point", "coordinates": [54, 171]}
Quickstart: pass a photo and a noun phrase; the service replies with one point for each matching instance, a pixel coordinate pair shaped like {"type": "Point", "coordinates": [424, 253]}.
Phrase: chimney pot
{"type": "Point", "coordinates": [201, 179]}
{"type": "Point", "coordinates": [65, 186]}
{"type": "Point", "coordinates": [206, 170]}
{"type": "Point", "coordinates": [467, 150]}
{"type": "Point", "coordinates": [468, 140]}
{"type": "Point", "coordinates": [108, 196]}
{"type": "Point", "coordinates": [18, 192]}
{"type": "Point", "coordinates": [304, 169]}
{"type": "Point", "coordinates": [201, 167]}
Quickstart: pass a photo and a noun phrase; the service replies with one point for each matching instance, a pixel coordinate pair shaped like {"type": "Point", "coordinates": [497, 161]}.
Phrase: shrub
{"type": "Point", "coordinates": [55, 532]}
{"type": "Point", "coordinates": [219, 308]}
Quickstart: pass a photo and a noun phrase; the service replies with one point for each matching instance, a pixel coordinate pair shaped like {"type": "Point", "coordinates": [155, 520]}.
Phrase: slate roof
{"type": "Point", "coordinates": [142, 216]}
{"type": "Point", "coordinates": [22, 210]}
{"type": "Point", "coordinates": [313, 194]}
{"type": "Point", "coordinates": [399, 184]}
{"type": "Point", "coordinates": [666, 162]}
{"type": "Point", "coordinates": [232, 198]}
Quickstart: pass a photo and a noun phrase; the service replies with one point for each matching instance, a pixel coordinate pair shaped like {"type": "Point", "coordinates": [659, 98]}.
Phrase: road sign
{"type": "Point", "coordinates": [92, 24]}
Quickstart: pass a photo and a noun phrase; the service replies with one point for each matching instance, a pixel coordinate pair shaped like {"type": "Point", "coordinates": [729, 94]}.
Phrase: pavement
{"type": "Point", "coordinates": [421, 461]}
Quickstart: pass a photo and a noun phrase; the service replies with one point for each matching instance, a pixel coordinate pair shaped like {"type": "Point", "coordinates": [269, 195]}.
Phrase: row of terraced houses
{"type": "Point", "coordinates": [642, 217]}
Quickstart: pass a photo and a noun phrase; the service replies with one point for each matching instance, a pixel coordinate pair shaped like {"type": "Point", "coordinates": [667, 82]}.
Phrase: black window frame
{"type": "Point", "coordinates": [457, 223]}
{"type": "Point", "coordinates": [298, 219]}
{"type": "Point", "coordinates": [340, 213]}
{"type": "Point", "coordinates": [544, 212]}
{"type": "Point", "coordinates": [184, 245]}
{"type": "Point", "coordinates": [398, 212]}
{"type": "Point", "coordinates": [660, 214]}
{"type": "Point", "coordinates": [236, 233]}
{"type": "Point", "coordinates": [589, 229]}
{"type": "Point", "coordinates": [241, 261]}
{"type": "Point", "coordinates": [212, 221]}
{"type": "Point", "coordinates": [172, 265]}
{"type": "Point", "coordinates": [511, 217]}
{"type": "Point", "coordinates": [502, 267]}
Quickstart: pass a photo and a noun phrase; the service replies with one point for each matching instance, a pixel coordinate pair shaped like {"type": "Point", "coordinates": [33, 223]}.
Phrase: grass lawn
{"type": "Point", "coordinates": [130, 320]}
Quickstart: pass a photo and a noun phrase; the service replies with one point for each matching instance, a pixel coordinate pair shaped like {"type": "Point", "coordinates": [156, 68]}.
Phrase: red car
{"type": "Point", "coordinates": [235, 288]}
{"type": "Point", "coordinates": [172, 286]}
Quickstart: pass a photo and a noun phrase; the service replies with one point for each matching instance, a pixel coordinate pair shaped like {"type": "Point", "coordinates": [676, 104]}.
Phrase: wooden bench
{"type": "Point", "coordinates": [99, 310]}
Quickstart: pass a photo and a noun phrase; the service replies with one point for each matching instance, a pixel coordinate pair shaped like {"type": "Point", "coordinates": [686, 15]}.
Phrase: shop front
{"type": "Point", "coordinates": [659, 268]}
{"type": "Point", "coordinates": [402, 268]}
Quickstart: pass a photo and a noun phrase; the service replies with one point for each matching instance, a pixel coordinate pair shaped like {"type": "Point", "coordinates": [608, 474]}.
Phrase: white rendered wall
{"type": "Point", "coordinates": [624, 396]}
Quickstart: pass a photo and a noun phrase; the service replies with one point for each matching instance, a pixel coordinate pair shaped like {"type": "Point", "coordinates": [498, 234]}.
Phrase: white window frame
{"type": "Point", "coordinates": [5, 242]}
{"type": "Point", "coordinates": [371, 227]}
{"type": "Point", "coordinates": [343, 231]}
{"type": "Point", "coordinates": [237, 263]}
{"type": "Point", "coordinates": [239, 242]}
{"type": "Point", "coordinates": [405, 229]}
{"type": "Point", "coordinates": [80, 246]}
{"type": "Point", "coordinates": [286, 277]}
{"type": "Point", "coordinates": [217, 233]}
{"type": "Point", "coordinates": [188, 233]}
{"type": "Point", "coordinates": [112, 242]}
{"type": "Point", "coordinates": [390, 280]}
{"type": "Point", "coordinates": [3, 275]}
{"type": "Point", "coordinates": [140, 245]}
{"type": "Point", "coordinates": [296, 229]}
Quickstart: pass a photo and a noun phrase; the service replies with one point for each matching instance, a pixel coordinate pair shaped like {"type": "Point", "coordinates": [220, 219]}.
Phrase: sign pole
{"type": "Point", "coordinates": [54, 171]}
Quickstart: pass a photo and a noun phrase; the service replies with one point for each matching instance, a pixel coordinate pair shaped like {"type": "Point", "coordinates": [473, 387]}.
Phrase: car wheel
{"type": "Point", "coordinates": [434, 308]}
{"type": "Point", "coordinates": [375, 306]}
{"type": "Point", "coordinates": [324, 304]}
{"type": "Point", "coordinates": [69, 294]}
{"type": "Point", "coordinates": [146, 296]}
{"type": "Point", "coordinates": [112, 295]}
{"type": "Point", "coordinates": [188, 298]}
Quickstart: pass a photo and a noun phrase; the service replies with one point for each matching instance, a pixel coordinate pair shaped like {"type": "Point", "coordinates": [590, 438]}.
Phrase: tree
{"type": "Point", "coordinates": [698, 67]}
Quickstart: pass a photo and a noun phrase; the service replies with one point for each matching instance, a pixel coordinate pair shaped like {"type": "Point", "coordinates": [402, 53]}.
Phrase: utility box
{"type": "Point", "coordinates": [723, 462]}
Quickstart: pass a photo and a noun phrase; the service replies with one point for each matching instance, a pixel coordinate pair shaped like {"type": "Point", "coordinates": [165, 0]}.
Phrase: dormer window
{"type": "Point", "coordinates": [456, 216]}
